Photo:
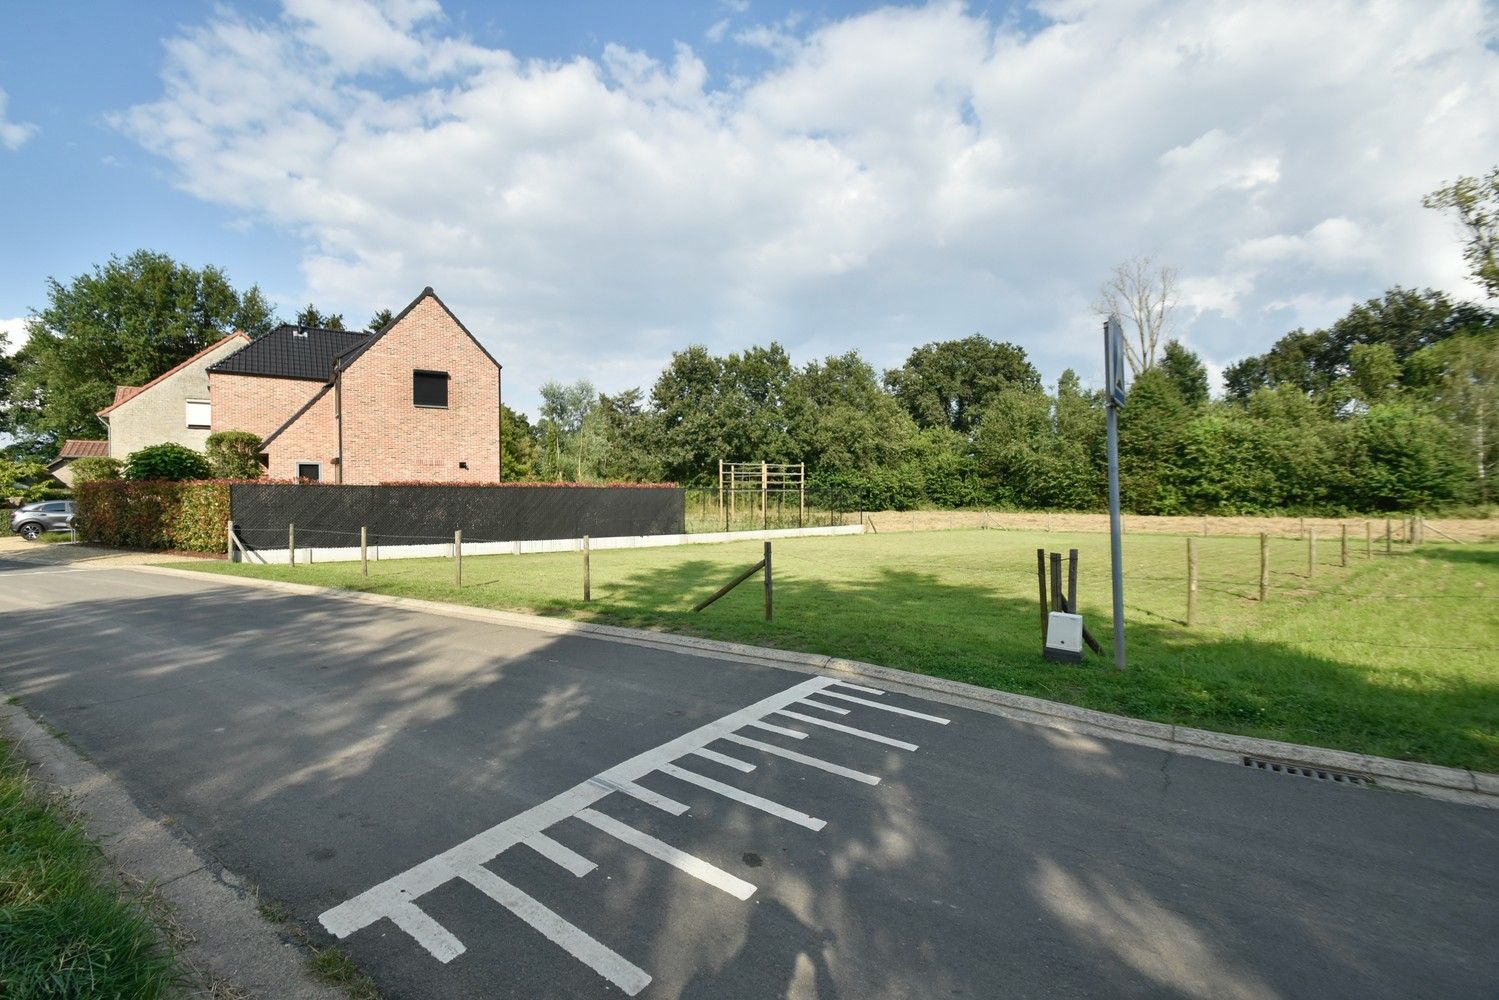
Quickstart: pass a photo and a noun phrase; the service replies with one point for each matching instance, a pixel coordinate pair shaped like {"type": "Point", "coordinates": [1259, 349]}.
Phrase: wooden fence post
{"type": "Point", "coordinates": [1311, 554]}
{"type": "Point", "coordinates": [1041, 590]}
{"type": "Point", "coordinates": [458, 558]}
{"type": "Point", "coordinates": [1072, 580]}
{"type": "Point", "coordinates": [768, 585]}
{"type": "Point", "coordinates": [229, 539]}
{"type": "Point", "coordinates": [364, 550]}
{"type": "Point", "coordinates": [1191, 582]}
{"type": "Point", "coordinates": [1388, 536]}
{"type": "Point", "coordinates": [1264, 566]}
{"type": "Point", "coordinates": [1057, 600]}
{"type": "Point", "coordinates": [291, 544]}
{"type": "Point", "coordinates": [1368, 539]}
{"type": "Point", "coordinates": [587, 573]}
{"type": "Point", "coordinates": [1301, 527]}
{"type": "Point", "coordinates": [1343, 549]}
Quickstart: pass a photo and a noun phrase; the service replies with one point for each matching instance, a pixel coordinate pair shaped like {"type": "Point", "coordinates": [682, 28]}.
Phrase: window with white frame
{"type": "Point", "coordinates": [199, 414]}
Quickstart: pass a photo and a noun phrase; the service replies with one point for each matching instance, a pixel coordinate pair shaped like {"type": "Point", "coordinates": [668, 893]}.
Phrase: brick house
{"type": "Point", "coordinates": [173, 407]}
{"type": "Point", "coordinates": [416, 400]}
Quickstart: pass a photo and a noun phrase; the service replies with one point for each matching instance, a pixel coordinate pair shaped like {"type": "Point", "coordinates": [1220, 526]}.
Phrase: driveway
{"type": "Point", "coordinates": [486, 811]}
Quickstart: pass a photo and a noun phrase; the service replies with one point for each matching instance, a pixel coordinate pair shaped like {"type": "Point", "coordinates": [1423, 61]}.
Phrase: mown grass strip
{"type": "Point", "coordinates": [67, 929]}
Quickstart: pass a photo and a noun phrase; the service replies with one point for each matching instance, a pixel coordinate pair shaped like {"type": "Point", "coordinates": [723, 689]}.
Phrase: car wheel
{"type": "Point", "coordinates": [31, 531]}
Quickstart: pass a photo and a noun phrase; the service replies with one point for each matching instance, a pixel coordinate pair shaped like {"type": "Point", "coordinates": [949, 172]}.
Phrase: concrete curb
{"type": "Point", "coordinates": [227, 940]}
{"type": "Point", "coordinates": [1449, 783]}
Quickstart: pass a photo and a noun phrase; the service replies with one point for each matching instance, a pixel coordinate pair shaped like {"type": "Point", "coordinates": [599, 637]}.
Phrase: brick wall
{"type": "Point", "coordinates": [387, 437]}
{"type": "Point", "coordinates": [313, 438]}
{"type": "Point", "coordinates": [255, 404]}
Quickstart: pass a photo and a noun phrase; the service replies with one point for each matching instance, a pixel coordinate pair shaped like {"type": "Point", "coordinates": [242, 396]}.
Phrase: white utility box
{"type": "Point", "coordinates": [1064, 637]}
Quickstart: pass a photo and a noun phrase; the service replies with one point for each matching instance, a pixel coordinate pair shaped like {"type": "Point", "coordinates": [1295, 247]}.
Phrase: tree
{"type": "Point", "coordinates": [1373, 372]}
{"type": "Point", "coordinates": [1413, 460]}
{"type": "Point", "coordinates": [841, 420]}
{"type": "Point", "coordinates": [1475, 200]}
{"type": "Point", "coordinates": [1143, 295]}
{"type": "Point", "coordinates": [1319, 362]}
{"type": "Point", "coordinates": [1187, 372]}
{"type": "Point", "coordinates": [166, 461]}
{"type": "Point", "coordinates": [517, 445]}
{"type": "Point", "coordinates": [234, 454]}
{"type": "Point", "coordinates": [1459, 379]}
{"type": "Point", "coordinates": [122, 324]}
{"type": "Point", "coordinates": [312, 318]}
{"type": "Point", "coordinates": [563, 410]}
{"type": "Point", "coordinates": [950, 382]}
{"type": "Point", "coordinates": [380, 320]}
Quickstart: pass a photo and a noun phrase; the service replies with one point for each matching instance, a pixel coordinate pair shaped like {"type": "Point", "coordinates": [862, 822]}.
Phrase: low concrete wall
{"type": "Point", "coordinates": [310, 554]}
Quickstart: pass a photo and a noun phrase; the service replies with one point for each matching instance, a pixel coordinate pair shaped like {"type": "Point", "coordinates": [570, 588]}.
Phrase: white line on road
{"type": "Point", "coordinates": [858, 687]}
{"type": "Point", "coordinates": [559, 854]}
{"type": "Point", "coordinates": [888, 708]}
{"type": "Point", "coordinates": [834, 709]}
{"type": "Point", "coordinates": [428, 932]}
{"type": "Point", "coordinates": [801, 758]}
{"type": "Point", "coordinates": [689, 863]}
{"type": "Point", "coordinates": [586, 949]}
{"type": "Point", "coordinates": [847, 729]}
{"type": "Point", "coordinates": [642, 793]}
{"type": "Point", "coordinates": [739, 795]}
{"type": "Point", "coordinates": [782, 730]}
{"type": "Point", "coordinates": [724, 759]}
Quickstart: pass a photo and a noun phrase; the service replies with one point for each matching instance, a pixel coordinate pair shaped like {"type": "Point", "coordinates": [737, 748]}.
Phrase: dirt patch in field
{"type": "Point", "coordinates": [1437, 529]}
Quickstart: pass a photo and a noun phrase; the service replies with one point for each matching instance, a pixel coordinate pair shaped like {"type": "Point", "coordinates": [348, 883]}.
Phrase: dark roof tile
{"type": "Point", "coordinates": [292, 352]}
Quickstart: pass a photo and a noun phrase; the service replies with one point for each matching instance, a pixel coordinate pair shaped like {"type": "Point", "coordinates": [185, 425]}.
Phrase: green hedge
{"type": "Point", "coordinates": [154, 514]}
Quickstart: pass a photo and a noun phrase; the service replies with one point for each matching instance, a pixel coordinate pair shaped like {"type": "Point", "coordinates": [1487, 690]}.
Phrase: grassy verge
{"type": "Point", "coordinates": [1390, 655]}
{"type": "Point", "coordinates": [66, 928]}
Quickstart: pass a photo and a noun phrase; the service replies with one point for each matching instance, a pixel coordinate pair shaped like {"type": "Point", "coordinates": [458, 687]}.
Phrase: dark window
{"type": "Point", "coordinates": [429, 388]}
{"type": "Point", "coordinates": [308, 470]}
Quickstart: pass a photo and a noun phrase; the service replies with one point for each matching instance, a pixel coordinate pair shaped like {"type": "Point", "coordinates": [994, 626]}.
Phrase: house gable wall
{"type": "Point", "coordinates": [158, 414]}
{"type": "Point", "coordinates": [256, 403]}
{"type": "Point", "coordinates": [386, 437]}
{"type": "Point", "coordinates": [312, 437]}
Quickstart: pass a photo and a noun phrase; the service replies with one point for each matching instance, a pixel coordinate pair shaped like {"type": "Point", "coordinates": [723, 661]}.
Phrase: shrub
{"type": "Point", "coordinates": [155, 514]}
{"type": "Point", "coordinates": [94, 467]}
{"type": "Point", "coordinates": [166, 462]}
{"type": "Point", "coordinates": [234, 454]}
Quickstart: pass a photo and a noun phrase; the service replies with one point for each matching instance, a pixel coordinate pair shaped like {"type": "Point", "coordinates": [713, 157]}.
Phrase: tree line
{"type": "Point", "coordinates": [1392, 408]}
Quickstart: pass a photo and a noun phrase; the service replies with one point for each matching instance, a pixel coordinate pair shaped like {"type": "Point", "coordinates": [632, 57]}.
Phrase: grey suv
{"type": "Point", "coordinates": [34, 518]}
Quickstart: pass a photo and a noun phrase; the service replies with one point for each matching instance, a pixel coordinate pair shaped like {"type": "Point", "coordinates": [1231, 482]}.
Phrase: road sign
{"type": "Point", "coordinates": [1113, 359]}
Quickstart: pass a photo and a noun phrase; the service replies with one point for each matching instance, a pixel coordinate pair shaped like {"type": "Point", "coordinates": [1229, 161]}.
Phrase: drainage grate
{"type": "Point", "coordinates": [1320, 773]}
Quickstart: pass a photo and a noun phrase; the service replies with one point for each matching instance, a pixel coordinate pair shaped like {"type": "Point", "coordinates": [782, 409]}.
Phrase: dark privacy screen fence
{"type": "Point", "coordinates": [413, 515]}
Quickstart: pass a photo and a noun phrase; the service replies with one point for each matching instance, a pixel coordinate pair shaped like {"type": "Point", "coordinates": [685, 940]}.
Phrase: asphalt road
{"type": "Point", "coordinates": [494, 812]}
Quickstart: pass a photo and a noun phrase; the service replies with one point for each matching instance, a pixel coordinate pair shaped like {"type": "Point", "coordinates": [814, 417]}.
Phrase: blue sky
{"type": "Point", "coordinates": [593, 185]}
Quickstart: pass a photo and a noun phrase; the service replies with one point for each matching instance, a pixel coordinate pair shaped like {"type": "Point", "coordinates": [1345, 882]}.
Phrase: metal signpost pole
{"type": "Point", "coordinates": [1113, 334]}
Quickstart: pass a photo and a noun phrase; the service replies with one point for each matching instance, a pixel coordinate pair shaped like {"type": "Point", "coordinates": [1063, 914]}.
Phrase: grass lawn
{"type": "Point", "coordinates": [66, 928]}
{"type": "Point", "coordinates": [1393, 656]}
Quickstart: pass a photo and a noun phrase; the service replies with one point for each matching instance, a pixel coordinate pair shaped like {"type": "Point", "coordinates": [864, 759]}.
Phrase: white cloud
{"type": "Point", "coordinates": [894, 177]}
{"type": "Point", "coordinates": [13, 334]}
{"type": "Point", "coordinates": [13, 135]}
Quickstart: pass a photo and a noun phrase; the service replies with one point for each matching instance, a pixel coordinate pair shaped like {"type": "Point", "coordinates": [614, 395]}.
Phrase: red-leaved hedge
{"type": "Point", "coordinates": [154, 514]}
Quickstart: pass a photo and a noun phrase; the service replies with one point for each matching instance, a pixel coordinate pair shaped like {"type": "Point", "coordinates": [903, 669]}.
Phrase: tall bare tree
{"type": "Point", "coordinates": [1143, 294]}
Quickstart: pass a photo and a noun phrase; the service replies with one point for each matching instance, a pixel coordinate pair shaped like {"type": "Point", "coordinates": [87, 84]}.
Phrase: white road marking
{"type": "Point", "coordinates": [739, 795]}
{"type": "Point", "coordinates": [858, 687]}
{"type": "Point", "coordinates": [801, 758]}
{"type": "Point", "coordinates": [644, 794]}
{"type": "Point", "coordinates": [847, 729]}
{"type": "Point", "coordinates": [782, 730]}
{"type": "Point", "coordinates": [559, 854]}
{"type": "Point", "coordinates": [428, 932]}
{"type": "Point", "coordinates": [888, 708]}
{"type": "Point", "coordinates": [724, 759]}
{"type": "Point", "coordinates": [826, 708]}
{"type": "Point", "coordinates": [586, 949]}
{"type": "Point", "coordinates": [395, 898]}
{"type": "Point", "coordinates": [689, 863]}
